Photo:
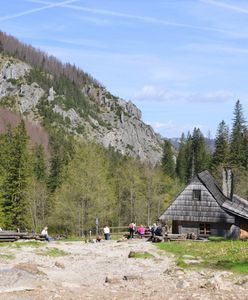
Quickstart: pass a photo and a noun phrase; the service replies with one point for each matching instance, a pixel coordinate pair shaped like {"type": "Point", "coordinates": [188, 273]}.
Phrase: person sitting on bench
{"type": "Point", "coordinates": [44, 233]}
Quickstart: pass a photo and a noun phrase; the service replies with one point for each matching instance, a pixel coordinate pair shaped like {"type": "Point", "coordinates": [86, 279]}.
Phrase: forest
{"type": "Point", "coordinates": [77, 183]}
{"type": "Point", "coordinates": [78, 180]}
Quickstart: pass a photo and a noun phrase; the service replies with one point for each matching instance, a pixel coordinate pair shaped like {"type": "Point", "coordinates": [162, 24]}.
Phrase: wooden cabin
{"type": "Point", "coordinates": [204, 209]}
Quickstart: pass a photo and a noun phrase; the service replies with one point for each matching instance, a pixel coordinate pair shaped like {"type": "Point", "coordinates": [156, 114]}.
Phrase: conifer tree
{"type": "Point", "coordinates": [37, 189]}
{"type": "Point", "coordinates": [40, 167]}
{"type": "Point", "coordinates": [199, 155]}
{"type": "Point", "coordinates": [220, 155]}
{"type": "Point", "coordinates": [237, 151]}
{"type": "Point", "coordinates": [188, 158]}
{"type": "Point", "coordinates": [245, 145]}
{"type": "Point", "coordinates": [181, 163]}
{"type": "Point", "coordinates": [17, 172]}
{"type": "Point", "coordinates": [61, 153]}
{"type": "Point", "coordinates": [168, 162]}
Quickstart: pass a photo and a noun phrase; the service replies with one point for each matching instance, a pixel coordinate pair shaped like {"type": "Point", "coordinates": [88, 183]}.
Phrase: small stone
{"type": "Point", "coordinates": [59, 265]}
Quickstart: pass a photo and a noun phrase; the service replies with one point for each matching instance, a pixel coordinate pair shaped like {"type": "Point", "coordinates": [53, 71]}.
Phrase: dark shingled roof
{"type": "Point", "coordinates": [213, 207]}
{"type": "Point", "coordinates": [236, 206]}
{"type": "Point", "coordinates": [207, 179]}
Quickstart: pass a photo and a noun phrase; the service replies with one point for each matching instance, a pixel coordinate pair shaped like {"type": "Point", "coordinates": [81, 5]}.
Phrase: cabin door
{"type": "Point", "coordinates": [175, 227]}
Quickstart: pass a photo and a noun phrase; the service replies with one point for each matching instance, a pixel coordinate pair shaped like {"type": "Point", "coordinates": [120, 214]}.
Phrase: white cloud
{"type": "Point", "coordinates": [150, 91]}
{"type": "Point", "coordinates": [161, 125]}
{"type": "Point", "coordinates": [154, 93]}
{"type": "Point", "coordinates": [213, 97]}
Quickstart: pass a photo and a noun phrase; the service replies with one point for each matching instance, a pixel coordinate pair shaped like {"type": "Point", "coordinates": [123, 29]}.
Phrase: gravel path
{"type": "Point", "coordinates": [104, 271]}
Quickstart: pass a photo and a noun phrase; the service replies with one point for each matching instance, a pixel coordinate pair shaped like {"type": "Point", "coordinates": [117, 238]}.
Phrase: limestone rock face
{"type": "Point", "coordinates": [126, 131]}
{"type": "Point", "coordinates": [51, 95]}
{"type": "Point", "coordinates": [116, 122]}
{"type": "Point", "coordinates": [13, 70]}
{"type": "Point", "coordinates": [30, 94]}
{"type": "Point", "coordinates": [71, 114]}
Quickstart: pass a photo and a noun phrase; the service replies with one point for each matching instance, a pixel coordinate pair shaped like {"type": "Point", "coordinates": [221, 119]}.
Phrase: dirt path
{"type": "Point", "coordinates": [104, 271]}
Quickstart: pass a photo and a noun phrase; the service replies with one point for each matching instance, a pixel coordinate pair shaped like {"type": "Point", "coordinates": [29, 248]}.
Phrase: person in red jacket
{"type": "Point", "coordinates": [141, 231]}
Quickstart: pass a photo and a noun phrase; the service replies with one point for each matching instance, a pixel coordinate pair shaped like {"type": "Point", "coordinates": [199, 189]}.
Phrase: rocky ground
{"type": "Point", "coordinates": [104, 271]}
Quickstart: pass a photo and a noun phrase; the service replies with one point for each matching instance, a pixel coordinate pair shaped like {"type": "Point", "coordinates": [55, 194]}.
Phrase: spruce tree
{"type": "Point", "coordinates": [245, 145]}
{"type": "Point", "coordinates": [196, 157]}
{"type": "Point", "coordinates": [220, 155]}
{"type": "Point", "coordinates": [188, 158]}
{"type": "Point", "coordinates": [17, 172]}
{"type": "Point", "coordinates": [181, 163]}
{"type": "Point", "coordinates": [199, 154]}
{"type": "Point", "coordinates": [62, 150]}
{"type": "Point", "coordinates": [168, 162]}
{"type": "Point", "coordinates": [39, 163]}
{"type": "Point", "coordinates": [237, 151]}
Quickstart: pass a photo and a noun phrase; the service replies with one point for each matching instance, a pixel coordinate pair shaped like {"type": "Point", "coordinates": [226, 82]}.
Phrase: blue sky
{"type": "Point", "coordinates": [184, 63]}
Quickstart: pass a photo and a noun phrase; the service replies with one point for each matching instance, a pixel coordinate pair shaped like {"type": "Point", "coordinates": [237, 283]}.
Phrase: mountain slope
{"type": "Point", "coordinates": [53, 94]}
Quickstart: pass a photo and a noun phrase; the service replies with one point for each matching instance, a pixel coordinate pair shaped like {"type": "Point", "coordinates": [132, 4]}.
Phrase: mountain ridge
{"type": "Point", "coordinates": [73, 100]}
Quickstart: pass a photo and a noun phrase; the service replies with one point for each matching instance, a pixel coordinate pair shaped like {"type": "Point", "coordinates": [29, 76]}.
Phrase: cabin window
{"type": "Point", "coordinates": [197, 195]}
{"type": "Point", "coordinates": [205, 229]}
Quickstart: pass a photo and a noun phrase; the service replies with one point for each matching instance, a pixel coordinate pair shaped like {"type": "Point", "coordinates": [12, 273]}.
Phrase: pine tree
{"type": "Point", "coordinates": [237, 152]}
{"type": "Point", "coordinates": [39, 163]}
{"type": "Point", "coordinates": [193, 156]}
{"type": "Point", "coordinates": [181, 163]}
{"type": "Point", "coordinates": [17, 172]}
{"type": "Point", "coordinates": [220, 155]}
{"type": "Point", "coordinates": [245, 145]}
{"type": "Point", "coordinates": [168, 162]}
{"type": "Point", "coordinates": [61, 153]}
{"type": "Point", "coordinates": [188, 158]}
{"type": "Point", "coordinates": [37, 189]}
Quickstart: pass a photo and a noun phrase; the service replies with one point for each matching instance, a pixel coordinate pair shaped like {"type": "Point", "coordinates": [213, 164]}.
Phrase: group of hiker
{"type": "Point", "coordinates": [141, 230]}
{"type": "Point", "coordinates": [132, 229]}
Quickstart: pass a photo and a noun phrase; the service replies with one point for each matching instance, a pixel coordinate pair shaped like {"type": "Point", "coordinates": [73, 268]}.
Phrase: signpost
{"type": "Point", "coordinates": [97, 222]}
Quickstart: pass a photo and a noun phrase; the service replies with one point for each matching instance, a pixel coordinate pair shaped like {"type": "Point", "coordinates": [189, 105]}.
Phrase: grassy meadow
{"type": "Point", "coordinates": [228, 255]}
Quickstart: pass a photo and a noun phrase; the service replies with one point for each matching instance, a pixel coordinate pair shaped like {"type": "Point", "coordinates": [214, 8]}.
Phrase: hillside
{"type": "Point", "coordinates": [55, 95]}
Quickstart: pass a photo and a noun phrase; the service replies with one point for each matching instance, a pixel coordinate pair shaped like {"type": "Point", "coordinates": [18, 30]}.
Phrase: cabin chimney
{"type": "Point", "coordinates": [227, 186]}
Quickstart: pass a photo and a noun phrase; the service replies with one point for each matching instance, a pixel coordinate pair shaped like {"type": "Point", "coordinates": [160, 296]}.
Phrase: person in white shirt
{"type": "Point", "coordinates": [106, 232]}
{"type": "Point", "coordinates": [44, 233]}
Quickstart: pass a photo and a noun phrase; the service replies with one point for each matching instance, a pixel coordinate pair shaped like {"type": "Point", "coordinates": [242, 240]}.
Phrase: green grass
{"type": "Point", "coordinates": [34, 244]}
{"type": "Point", "coordinates": [54, 252]}
{"type": "Point", "coordinates": [5, 244]}
{"type": "Point", "coordinates": [228, 255]}
{"type": "Point", "coordinates": [20, 244]}
{"type": "Point", "coordinates": [140, 254]}
{"type": "Point", "coordinates": [7, 256]}
{"type": "Point", "coordinates": [217, 238]}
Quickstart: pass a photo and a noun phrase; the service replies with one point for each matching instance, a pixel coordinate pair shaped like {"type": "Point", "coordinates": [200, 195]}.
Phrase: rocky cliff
{"type": "Point", "coordinates": [108, 120]}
